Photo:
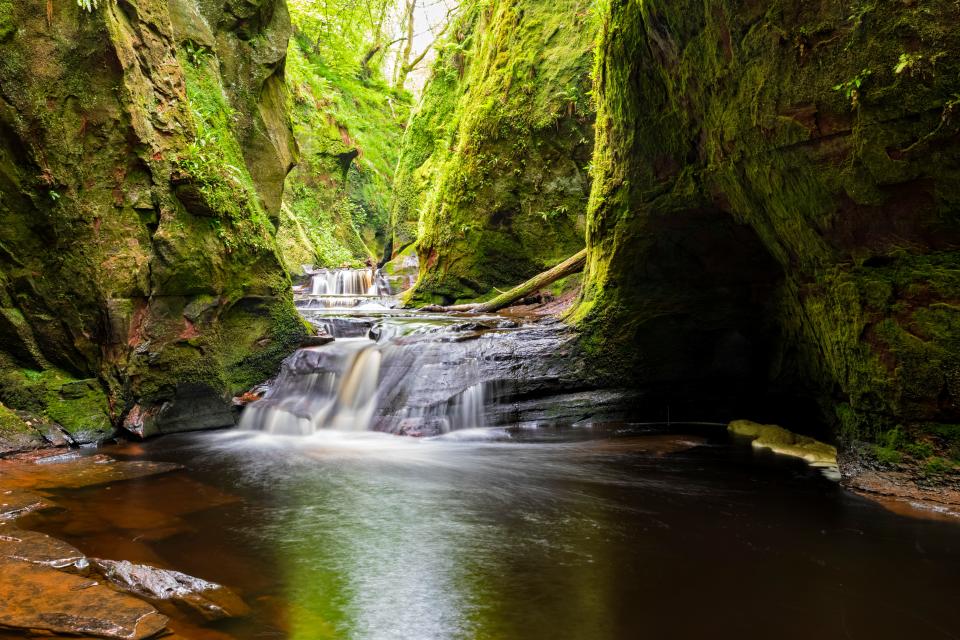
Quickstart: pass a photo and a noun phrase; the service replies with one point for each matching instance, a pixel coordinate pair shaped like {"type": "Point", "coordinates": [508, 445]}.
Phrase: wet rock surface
{"type": "Point", "coordinates": [75, 471]}
{"type": "Point", "coordinates": [428, 374]}
{"type": "Point", "coordinates": [38, 548]}
{"type": "Point", "coordinates": [17, 502]}
{"type": "Point", "coordinates": [49, 586]}
{"type": "Point", "coordinates": [902, 488]}
{"type": "Point", "coordinates": [209, 599]}
{"type": "Point", "coordinates": [39, 598]}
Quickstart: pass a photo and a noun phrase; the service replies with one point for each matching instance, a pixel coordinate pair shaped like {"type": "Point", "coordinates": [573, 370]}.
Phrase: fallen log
{"type": "Point", "coordinates": [566, 268]}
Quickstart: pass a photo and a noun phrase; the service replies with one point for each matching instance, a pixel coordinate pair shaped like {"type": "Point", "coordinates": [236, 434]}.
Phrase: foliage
{"type": "Point", "coordinates": [340, 32]}
{"type": "Point", "coordinates": [348, 127]}
{"type": "Point", "coordinates": [851, 88]}
{"type": "Point", "coordinates": [887, 456]}
{"type": "Point", "coordinates": [214, 161]}
{"type": "Point", "coordinates": [89, 5]}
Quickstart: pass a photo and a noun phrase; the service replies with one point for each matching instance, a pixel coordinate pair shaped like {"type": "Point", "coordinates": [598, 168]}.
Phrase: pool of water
{"type": "Point", "coordinates": [594, 533]}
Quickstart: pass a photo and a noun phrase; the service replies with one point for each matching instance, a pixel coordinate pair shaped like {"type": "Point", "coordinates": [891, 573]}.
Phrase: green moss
{"type": "Point", "coordinates": [281, 328]}
{"type": "Point", "coordinates": [492, 179]}
{"type": "Point", "coordinates": [887, 456]}
{"type": "Point", "coordinates": [726, 115]}
{"type": "Point", "coordinates": [938, 467]}
{"type": "Point", "coordinates": [11, 424]}
{"type": "Point", "coordinates": [214, 161]}
{"type": "Point", "coordinates": [784, 442]}
{"type": "Point", "coordinates": [7, 24]}
{"type": "Point", "coordinates": [136, 203]}
{"type": "Point", "coordinates": [79, 406]}
{"type": "Point", "coordinates": [348, 127]}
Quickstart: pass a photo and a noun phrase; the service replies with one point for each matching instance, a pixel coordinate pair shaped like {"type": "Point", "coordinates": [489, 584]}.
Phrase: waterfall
{"type": "Point", "coordinates": [345, 288]}
{"type": "Point", "coordinates": [337, 392]}
{"type": "Point", "coordinates": [387, 369]}
{"type": "Point", "coordinates": [415, 380]}
{"type": "Point", "coordinates": [349, 282]}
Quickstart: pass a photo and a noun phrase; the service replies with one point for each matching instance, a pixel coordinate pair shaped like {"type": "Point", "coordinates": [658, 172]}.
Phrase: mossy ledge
{"type": "Point", "coordinates": [774, 224]}
{"type": "Point", "coordinates": [143, 149]}
{"type": "Point", "coordinates": [493, 176]}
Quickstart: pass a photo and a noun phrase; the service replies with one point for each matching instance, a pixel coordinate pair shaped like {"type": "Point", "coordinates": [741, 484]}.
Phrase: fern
{"type": "Point", "coordinates": [89, 5]}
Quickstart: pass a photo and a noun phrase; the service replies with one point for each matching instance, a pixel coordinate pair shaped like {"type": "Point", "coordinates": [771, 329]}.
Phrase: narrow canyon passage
{"type": "Point", "coordinates": [479, 319]}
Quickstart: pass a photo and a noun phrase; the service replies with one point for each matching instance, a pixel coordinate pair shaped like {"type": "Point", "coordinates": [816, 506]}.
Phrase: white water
{"type": "Point", "coordinates": [403, 375]}
{"type": "Point", "coordinates": [349, 282]}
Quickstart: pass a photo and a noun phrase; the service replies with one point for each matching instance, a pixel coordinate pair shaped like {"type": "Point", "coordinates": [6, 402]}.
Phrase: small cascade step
{"type": "Point", "coordinates": [345, 289]}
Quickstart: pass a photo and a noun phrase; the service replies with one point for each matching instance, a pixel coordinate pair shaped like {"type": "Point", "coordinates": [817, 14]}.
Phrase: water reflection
{"type": "Point", "coordinates": [482, 535]}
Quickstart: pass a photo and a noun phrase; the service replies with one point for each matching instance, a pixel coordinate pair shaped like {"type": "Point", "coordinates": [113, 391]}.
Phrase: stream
{"type": "Point", "coordinates": [525, 508]}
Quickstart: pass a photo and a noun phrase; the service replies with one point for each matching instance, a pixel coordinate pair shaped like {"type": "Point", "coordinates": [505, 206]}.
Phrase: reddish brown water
{"type": "Point", "coordinates": [587, 535]}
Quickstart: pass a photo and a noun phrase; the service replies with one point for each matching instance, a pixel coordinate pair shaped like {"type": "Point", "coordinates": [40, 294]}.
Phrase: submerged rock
{"type": "Point", "coordinates": [39, 548]}
{"type": "Point", "coordinates": [209, 599]}
{"type": "Point", "coordinates": [76, 471]}
{"type": "Point", "coordinates": [784, 442]}
{"type": "Point", "coordinates": [34, 597]}
{"type": "Point", "coordinates": [17, 502]}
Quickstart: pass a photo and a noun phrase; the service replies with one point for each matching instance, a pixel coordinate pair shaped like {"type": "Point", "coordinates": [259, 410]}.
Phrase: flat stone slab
{"type": "Point", "coordinates": [37, 548]}
{"type": "Point", "coordinates": [17, 502]}
{"type": "Point", "coordinates": [77, 471]}
{"type": "Point", "coordinates": [34, 597]}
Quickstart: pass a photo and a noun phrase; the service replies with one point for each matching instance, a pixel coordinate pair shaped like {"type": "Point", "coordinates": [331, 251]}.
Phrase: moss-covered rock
{"type": "Point", "coordinates": [775, 212]}
{"type": "Point", "coordinates": [348, 126]}
{"type": "Point", "coordinates": [787, 443]}
{"type": "Point", "coordinates": [143, 147]}
{"type": "Point", "coordinates": [493, 176]}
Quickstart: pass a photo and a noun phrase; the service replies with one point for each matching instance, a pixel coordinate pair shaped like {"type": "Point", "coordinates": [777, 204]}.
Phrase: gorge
{"type": "Point", "coordinates": [268, 223]}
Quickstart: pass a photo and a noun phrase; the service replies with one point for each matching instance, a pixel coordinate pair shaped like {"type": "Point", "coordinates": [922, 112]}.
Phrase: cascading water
{"type": "Point", "coordinates": [386, 370]}
{"type": "Point", "coordinates": [346, 288]}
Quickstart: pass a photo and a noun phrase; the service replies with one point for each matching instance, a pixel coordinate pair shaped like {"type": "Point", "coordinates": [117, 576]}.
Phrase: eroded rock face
{"type": "Point", "coordinates": [775, 211]}
{"type": "Point", "coordinates": [492, 181]}
{"type": "Point", "coordinates": [131, 262]}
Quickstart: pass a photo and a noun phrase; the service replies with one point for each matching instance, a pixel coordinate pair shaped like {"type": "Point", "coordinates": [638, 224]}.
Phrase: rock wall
{"type": "Point", "coordinates": [143, 147]}
{"type": "Point", "coordinates": [348, 127]}
{"type": "Point", "coordinates": [493, 180]}
{"type": "Point", "coordinates": [775, 211]}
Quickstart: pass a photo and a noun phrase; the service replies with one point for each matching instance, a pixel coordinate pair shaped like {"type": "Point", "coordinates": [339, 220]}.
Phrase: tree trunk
{"type": "Point", "coordinates": [403, 64]}
{"type": "Point", "coordinates": [566, 268]}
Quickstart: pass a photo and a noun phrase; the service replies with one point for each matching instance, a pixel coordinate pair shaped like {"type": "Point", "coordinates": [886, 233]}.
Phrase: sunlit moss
{"type": "Point", "coordinates": [348, 128]}
{"type": "Point", "coordinates": [493, 179]}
